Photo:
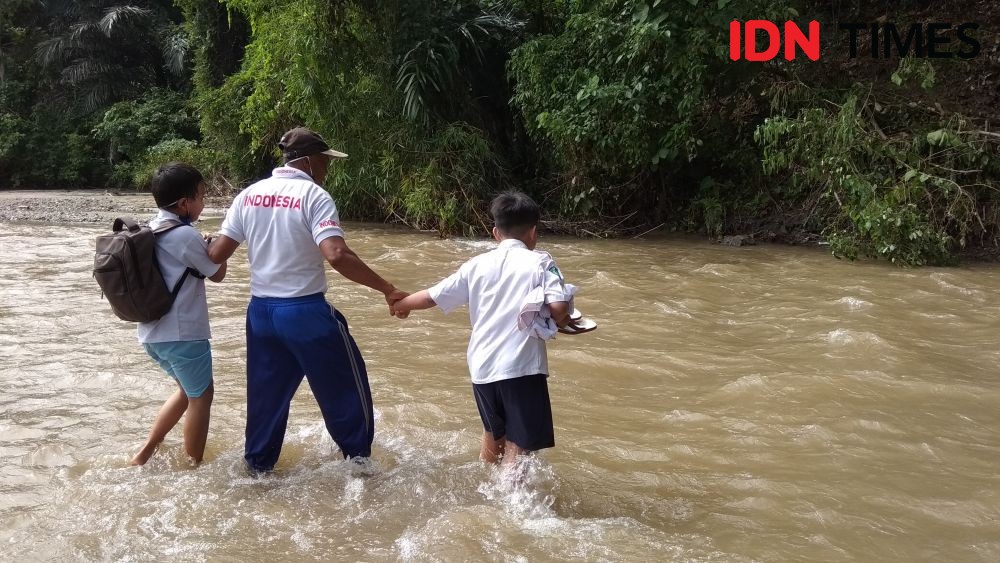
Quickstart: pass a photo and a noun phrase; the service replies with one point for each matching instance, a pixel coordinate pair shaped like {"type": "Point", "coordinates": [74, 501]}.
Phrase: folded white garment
{"type": "Point", "coordinates": [535, 315]}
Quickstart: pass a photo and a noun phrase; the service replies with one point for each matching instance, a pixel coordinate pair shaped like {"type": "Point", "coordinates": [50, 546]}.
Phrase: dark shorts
{"type": "Point", "coordinates": [517, 409]}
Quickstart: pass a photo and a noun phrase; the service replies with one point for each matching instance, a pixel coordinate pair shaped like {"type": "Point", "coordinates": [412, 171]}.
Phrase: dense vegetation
{"type": "Point", "coordinates": [621, 116]}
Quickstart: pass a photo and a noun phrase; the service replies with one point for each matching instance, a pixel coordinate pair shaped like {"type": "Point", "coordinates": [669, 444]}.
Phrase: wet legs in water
{"type": "Point", "coordinates": [195, 425]}
{"type": "Point", "coordinates": [505, 453]}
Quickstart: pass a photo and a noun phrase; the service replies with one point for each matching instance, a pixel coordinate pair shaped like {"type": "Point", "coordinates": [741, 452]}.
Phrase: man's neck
{"type": "Point", "coordinates": [520, 240]}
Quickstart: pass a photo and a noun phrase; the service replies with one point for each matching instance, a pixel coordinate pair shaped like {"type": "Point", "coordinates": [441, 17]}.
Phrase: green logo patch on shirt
{"type": "Point", "coordinates": [556, 271]}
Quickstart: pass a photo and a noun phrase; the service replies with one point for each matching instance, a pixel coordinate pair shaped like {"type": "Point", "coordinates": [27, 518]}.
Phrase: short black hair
{"type": "Point", "coordinates": [514, 213]}
{"type": "Point", "coordinates": [175, 180]}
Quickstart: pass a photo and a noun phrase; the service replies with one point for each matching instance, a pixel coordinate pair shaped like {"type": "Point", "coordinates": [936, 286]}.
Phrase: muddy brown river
{"type": "Point", "coordinates": [752, 404]}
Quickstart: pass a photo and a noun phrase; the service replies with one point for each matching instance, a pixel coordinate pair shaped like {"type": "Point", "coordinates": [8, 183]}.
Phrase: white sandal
{"type": "Point", "coordinates": [577, 324]}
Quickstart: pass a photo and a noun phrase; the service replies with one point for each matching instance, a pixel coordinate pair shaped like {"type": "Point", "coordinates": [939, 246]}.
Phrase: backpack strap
{"type": "Point", "coordinates": [122, 223]}
{"type": "Point", "coordinates": [170, 225]}
{"type": "Point", "coordinates": [180, 282]}
{"type": "Point", "coordinates": [167, 225]}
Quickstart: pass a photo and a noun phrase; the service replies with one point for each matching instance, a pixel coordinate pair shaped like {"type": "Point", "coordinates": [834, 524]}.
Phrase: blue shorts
{"type": "Point", "coordinates": [190, 363]}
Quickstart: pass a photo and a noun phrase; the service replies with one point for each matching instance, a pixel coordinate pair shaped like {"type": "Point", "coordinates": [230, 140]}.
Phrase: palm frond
{"type": "Point", "coordinates": [175, 48]}
{"type": "Point", "coordinates": [428, 70]}
{"type": "Point", "coordinates": [54, 50]}
{"type": "Point", "coordinates": [118, 17]}
{"type": "Point", "coordinates": [85, 70]}
{"type": "Point", "coordinates": [80, 30]}
{"type": "Point", "coordinates": [409, 81]}
{"type": "Point", "coordinates": [97, 97]}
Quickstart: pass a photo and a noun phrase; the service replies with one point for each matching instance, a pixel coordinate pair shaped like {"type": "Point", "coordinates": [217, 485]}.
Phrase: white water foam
{"type": "Point", "coordinates": [847, 337]}
{"type": "Point", "coordinates": [942, 281]}
{"type": "Point", "coordinates": [853, 303]}
{"type": "Point", "coordinates": [675, 310]}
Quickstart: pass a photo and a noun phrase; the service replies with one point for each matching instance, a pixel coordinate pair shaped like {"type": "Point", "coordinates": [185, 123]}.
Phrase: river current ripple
{"type": "Point", "coordinates": [761, 403]}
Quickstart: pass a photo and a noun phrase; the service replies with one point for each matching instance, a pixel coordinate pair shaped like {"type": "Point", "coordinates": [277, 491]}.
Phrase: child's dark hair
{"type": "Point", "coordinates": [173, 181]}
{"type": "Point", "coordinates": [514, 213]}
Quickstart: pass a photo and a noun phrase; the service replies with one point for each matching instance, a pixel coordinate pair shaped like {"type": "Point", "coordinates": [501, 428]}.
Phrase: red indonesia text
{"type": "Point", "coordinates": [282, 201]}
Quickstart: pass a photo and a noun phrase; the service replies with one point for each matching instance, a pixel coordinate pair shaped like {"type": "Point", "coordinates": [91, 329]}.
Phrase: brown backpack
{"type": "Point", "coordinates": [125, 267]}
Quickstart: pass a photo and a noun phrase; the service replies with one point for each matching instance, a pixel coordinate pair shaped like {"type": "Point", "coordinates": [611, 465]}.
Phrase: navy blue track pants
{"type": "Point", "coordinates": [288, 338]}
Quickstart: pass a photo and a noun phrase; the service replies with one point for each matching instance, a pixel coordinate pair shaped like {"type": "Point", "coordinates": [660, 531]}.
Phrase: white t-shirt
{"type": "Point", "coordinates": [177, 250]}
{"type": "Point", "coordinates": [495, 285]}
{"type": "Point", "coordinates": [283, 219]}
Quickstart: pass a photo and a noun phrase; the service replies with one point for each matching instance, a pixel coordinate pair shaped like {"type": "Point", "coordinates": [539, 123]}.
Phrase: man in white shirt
{"type": "Point", "coordinates": [290, 225]}
{"type": "Point", "coordinates": [508, 364]}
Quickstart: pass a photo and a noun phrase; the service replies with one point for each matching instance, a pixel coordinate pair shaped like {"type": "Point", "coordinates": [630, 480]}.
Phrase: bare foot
{"type": "Point", "coordinates": [143, 456]}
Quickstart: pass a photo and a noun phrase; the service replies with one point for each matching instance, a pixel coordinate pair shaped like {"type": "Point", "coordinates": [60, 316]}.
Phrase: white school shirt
{"type": "Point", "coordinates": [495, 285]}
{"type": "Point", "coordinates": [283, 219]}
{"type": "Point", "coordinates": [177, 250]}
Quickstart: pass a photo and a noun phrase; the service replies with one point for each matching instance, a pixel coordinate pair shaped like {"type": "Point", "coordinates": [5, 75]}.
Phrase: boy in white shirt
{"type": "Point", "coordinates": [178, 341]}
{"type": "Point", "coordinates": [508, 365]}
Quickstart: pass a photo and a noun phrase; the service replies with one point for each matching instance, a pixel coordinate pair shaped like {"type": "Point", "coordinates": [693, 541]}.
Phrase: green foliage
{"type": "Point", "coordinates": [217, 36]}
{"type": "Point", "coordinates": [142, 134]}
{"type": "Point", "coordinates": [130, 128]}
{"type": "Point", "coordinates": [900, 232]}
{"type": "Point", "coordinates": [308, 62]}
{"type": "Point", "coordinates": [618, 115]}
{"type": "Point", "coordinates": [40, 147]}
{"type": "Point", "coordinates": [55, 158]}
{"type": "Point", "coordinates": [13, 126]}
{"type": "Point", "coordinates": [335, 68]}
{"type": "Point", "coordinates": [448, 187]}
{"type": "Point", "coordinates": [910, 68]}
{"type": "Point", "coordinates": [69, 62]}
{"type": "Point", "coordinates": [73, 160]}
{"type": "Point", "coordinates": [625, 94]}
{"type": "Point", "coordinates": [623, 86]}
{"type": "Point", "coordinates": [909, 198]}
{"type": "Point", "coordinates": [104, 51]}
{"type": "Point", "coordinates": [140, 172]}
{"type": "Point", "coordinates": [438, 63]}
{"type": "Point", "coordinates": [709, 204]}
{"type": "Point", "coordinates": [11, 133]}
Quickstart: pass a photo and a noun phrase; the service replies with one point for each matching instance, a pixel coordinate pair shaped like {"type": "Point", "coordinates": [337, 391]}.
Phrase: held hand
{"type": "Point", "coordinates": [394, 297]}
{"type": "Point", "coordinates": [397, 311]}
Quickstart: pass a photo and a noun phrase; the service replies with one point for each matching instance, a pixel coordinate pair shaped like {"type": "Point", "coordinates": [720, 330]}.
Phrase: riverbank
{"type": "Point", "coordinates": [97, 207]}
{"type": "Point", "coordinates": [85, 206]}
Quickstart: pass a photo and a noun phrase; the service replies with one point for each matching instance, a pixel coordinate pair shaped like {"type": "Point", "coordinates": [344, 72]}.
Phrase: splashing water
{"type": "Point", "coordinates": [523, 489]}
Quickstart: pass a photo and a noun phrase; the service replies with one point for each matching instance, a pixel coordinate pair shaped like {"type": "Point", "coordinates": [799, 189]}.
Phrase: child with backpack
{"type": "Point", "coordinates": [507, 362]}
{"type": "Point", "coordinates": [178, 340]}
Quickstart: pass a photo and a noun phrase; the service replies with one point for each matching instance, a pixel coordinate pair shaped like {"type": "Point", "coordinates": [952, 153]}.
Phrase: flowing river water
{"type": "Point", "coordinates": [762, 403]}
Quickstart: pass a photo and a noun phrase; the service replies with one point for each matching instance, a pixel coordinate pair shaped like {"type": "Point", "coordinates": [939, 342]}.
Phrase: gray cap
{"type": "Point", "coordinates": [301, 142]}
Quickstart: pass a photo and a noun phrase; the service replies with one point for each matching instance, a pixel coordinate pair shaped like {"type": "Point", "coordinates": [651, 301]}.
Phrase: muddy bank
{"type": "Point", "coordinates": [86, 206]}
